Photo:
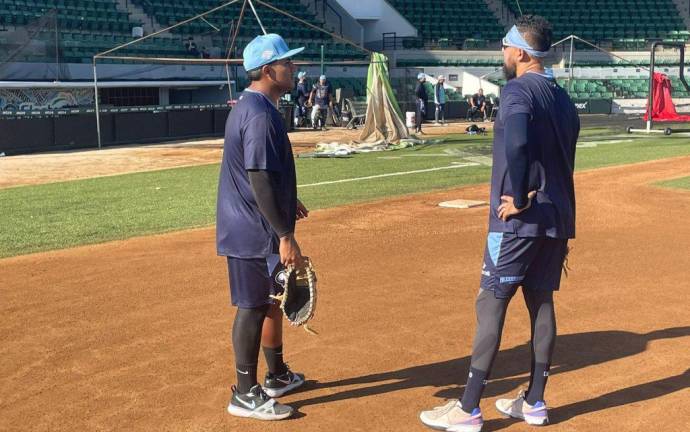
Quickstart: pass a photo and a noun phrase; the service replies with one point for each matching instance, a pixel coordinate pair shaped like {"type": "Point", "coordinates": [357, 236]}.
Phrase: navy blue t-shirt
{"type": "Point", "coordinates": [552, 133]}
{"type": "Point", "coordinates": [303, 92]}
{"type": "Point", "coordinates": [322, 94]}
{"type": "Point", "coordinates": [255, 139]}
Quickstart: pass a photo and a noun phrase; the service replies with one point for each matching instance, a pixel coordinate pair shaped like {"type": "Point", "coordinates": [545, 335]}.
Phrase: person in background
{"type": "Point", "coordinates": [440, 100]}
{"type": "Point", "coordinates": [321, 98]}
{"type": "Point", "coordinates": [303, 91]}
{"type": "Point", "coordinates": [191, 47]}
{"type": "Point", "coordinates": [421, 98]}
{"type": "Point", "coordinates": [478, 104]}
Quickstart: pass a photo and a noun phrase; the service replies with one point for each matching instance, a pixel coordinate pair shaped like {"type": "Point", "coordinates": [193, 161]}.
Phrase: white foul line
{"type": "Point", "coordinates": [400, 173]}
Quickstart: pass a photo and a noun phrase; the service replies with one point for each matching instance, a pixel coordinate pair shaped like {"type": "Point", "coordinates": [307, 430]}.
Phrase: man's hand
{"type": "Point", "coordinates": [290, 253]}
{"type": "Point", "coordinates": [302, 211]}
{"type": "Point", "coordinates": [507, 208]}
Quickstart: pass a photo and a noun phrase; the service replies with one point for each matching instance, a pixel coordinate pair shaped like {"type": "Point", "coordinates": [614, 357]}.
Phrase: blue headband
{"type": "Point", "coordinates": [515, 39]}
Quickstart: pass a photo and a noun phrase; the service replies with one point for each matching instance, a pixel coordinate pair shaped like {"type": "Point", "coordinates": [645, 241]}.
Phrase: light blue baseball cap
{"type": "Point", "coordinates": [301, 75]}
{"type": "Point", "coordinates": [420, 76]}
{"type": "Point", "coordinates": [266, 49]}
{"type": "Point", "coordinates": [322, 78]}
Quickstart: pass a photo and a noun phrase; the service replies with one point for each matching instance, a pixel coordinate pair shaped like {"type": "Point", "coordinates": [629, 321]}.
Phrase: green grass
{"type": "Point", "coordinates": [679, 183]}
{"type": "Point", "coordinates": [59, 215]}
{"type": "Point", "coordinates": [636, 150]}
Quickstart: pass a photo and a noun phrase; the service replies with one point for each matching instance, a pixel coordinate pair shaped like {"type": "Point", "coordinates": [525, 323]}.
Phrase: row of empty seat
{"type": "Point", "coordinates": [608, 19]}
{"type": "Point", "coordinates": [612, 88]}
{"type": "Point", "coordinates": [101, 15]}
{"type": "Point", "coordinates": [451, 21]}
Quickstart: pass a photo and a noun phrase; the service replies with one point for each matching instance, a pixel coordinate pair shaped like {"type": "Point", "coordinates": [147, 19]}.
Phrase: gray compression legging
{"type": "Point", "coordinates": [491, 312]}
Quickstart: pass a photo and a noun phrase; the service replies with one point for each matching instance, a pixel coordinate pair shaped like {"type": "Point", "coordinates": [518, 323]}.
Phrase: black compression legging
{"type": "Point", "coordinates": [246, 342]}
{"type": "Point", "coordinates": [491, 313]}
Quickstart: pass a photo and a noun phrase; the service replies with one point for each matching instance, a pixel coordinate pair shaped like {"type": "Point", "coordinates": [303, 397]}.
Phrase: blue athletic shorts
{"type": "Point", "coordinates": [510, 261]}
{"type": "Point", "coordinates": [254, 280]}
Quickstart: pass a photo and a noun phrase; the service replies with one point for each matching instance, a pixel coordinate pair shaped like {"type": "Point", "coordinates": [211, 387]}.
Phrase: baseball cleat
{"type": "Point", "coordinates": [257, 404]}
{"type": "Point", "coordinates": [450, 417]}
{"type": "Point", "coordinates": [278, 385]}
{"type": "Point", "coordinates": [519, 408]}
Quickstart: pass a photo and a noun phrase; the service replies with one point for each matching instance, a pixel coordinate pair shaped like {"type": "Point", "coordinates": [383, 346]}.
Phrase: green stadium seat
{"type": "Point", "coordinates": [433, 21]}
{"type": "Point", "coordinates": [598, 20]}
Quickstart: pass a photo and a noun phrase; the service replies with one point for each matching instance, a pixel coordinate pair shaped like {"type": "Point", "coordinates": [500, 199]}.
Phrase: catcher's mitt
{"type": "Point", "coordinates": [298, 300]}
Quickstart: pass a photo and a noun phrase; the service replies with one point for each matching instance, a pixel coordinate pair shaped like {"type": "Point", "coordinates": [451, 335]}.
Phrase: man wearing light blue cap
{"type": "Point", "coordinates": [257, 209]}
{"type": "Point", "coordinates": [531, 219]}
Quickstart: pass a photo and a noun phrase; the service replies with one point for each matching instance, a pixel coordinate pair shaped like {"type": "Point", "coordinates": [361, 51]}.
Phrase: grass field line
{"type": "Point", "coordinates": [590, 144]}
{"type": "Point", "coordinates": [393, 174]}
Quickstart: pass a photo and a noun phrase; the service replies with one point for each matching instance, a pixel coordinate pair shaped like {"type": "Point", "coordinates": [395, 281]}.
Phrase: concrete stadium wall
{"type": "Point", "coordinates": [378, 17]}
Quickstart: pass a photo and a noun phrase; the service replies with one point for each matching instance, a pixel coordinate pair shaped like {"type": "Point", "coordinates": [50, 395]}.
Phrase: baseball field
{"type": "Point", "coordinates": [116, 315]}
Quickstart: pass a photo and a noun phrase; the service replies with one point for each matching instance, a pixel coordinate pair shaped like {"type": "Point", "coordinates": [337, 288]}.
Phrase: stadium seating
{"type": "Point", "coordinates": [629, 22]}
{"type": "Point", "coordinates": [451, 22]}
{"type": "Point", "coordinates": [92, 15]}
{"type": "Point", "coordinates": [87, 27]}
{"type": "Point", "coordinates": [460, 61]}
{"type": "Point", "coordinates": [168, 12]}
{"type": "Point", "coordinates": [623, 88]}
{"type": "Point", "coordinates": [639, 87]}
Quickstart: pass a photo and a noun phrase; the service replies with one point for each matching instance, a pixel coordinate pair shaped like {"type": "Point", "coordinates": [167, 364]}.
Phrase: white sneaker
{"type": "Point", "coordinates": [536, 414]}
{"type": "Point", "coordinates": [278, 385]}
{"type": "Point", "coordinates": [450, 417]}
{"type": "Point", "coordinates": [257, 404]}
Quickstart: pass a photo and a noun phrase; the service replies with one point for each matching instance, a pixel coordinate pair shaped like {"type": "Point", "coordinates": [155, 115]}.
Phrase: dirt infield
{"type": "Point", "coordinates": [135, 335]}
{"type": "Point", "coordinates": [74, 165]}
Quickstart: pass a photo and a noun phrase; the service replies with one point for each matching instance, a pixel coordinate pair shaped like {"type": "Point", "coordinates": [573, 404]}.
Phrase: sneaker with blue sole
{"type": "Point", "coordinates": [451, 417]}
{"type": "Point", "coordinates": [536, 414]}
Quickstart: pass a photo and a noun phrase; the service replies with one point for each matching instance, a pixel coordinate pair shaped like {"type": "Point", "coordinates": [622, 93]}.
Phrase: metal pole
{"type": "Point", "coordinates": [57, 48]}
{"type": "Point", "coordinates": [95, 98]}
{"type": "Point", "coordinates": [650, 99]}
{"type": "Point", "coordinates": [227, 65]}
{"type": "Point", "coordinates": [231, 48]}
{"type": "Point", "coordinates": [570, 63]}
{"type": "Point", "coordinates": [257, 17]}
{"type": "Point", "coordinates": [227, 72]}
{"type": "Point", "coordinates": [322, 60]}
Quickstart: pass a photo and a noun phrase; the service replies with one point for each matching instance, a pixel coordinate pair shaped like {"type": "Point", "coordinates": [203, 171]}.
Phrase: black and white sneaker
{"type": "Point", "coordinates": [257, 404]}
{"type": "Point", "coordinates": [278, 385]}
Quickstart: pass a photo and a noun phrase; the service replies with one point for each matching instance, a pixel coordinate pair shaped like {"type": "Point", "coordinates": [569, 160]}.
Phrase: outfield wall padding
{"type": "Point", "coordinates": [38, 133]}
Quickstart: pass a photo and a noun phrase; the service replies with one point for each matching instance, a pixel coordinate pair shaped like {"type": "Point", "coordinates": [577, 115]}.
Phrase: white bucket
{"type": "Point", "coordinates": [409, 119]}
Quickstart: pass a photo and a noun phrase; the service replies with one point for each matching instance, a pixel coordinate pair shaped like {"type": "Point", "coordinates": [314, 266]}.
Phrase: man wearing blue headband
{"type": "Point", "coordinates": [257, 209]}
{"type": "Point", "coordinates": [531, 218]}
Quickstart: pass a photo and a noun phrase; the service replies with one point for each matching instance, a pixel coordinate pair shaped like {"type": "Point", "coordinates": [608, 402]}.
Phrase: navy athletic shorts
{"type": "Point", "coordinates": [510, 261]}
{"type": "Point", "coordinates": [254, 280]}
